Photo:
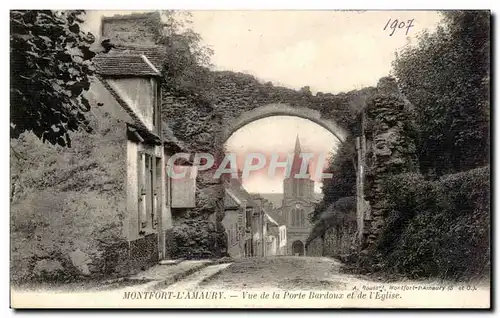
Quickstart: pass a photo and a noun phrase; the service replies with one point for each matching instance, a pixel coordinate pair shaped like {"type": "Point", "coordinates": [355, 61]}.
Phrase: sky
{"type": "Point", "coordinates": [277, 134]}
{"type": "Point", "coordinates": [329, 51]}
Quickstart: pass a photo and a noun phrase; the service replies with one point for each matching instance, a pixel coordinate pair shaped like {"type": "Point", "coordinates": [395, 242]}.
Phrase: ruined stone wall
{"type": "Point", "coordinates": [201, 126]}
{"type": "Point", "coordinates": [235, 93]}
{"type": "Point", "coordinates": [336, 230]}
{"type": "Point", "coordinates": [200, 123]}
{"type": "Point", "coordinates": [195, 233]}
{"type": "Point", "coordinates": [315, 247]}
{"type": "Point", "coordinates": [339, 241]}
{"type": "Point", "coordinates": [390, 151]}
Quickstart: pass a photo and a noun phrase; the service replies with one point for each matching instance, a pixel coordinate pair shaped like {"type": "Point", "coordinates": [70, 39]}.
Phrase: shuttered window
{"type": "Point", "coordinates": [142, 195]}
{"type": "Point", "coordinates": [149, 185]}
{"type": "Point", "coordinates": [149, 175]}
{"type": "Point", "coordinates": [248, 221]}
{"type": "Point", "coordinates": [183, 190]}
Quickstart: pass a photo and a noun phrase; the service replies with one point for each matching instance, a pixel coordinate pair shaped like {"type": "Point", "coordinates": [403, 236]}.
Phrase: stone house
{"type": "Point", "coordinates": [238, 221]}
{"type": "Point", "coordinates": [269, 224]}
{"type": "Point", "coordinates": [112, 206]}
{"type": "Point", "coordinates": [282, 239]}
{"type": "Point", "coordinates": [128, 86]}
{"type": "Point", "coordinates": [251, 225]}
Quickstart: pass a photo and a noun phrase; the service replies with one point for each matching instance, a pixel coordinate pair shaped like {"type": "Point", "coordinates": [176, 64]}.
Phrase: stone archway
{"type": "Point", "coordinates": [232, 119]}
{"type": "Point", "coordinates": [280, 109]}
{"type": "Point", "coordinates": [298, 248]}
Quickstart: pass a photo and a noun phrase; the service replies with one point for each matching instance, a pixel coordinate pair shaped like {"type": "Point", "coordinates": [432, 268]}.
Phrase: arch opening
{"type": "Point", "coordinates": [276, 139]}
{"type": "Point", "coordinates": [271, 110]}
{"type": "Point", "coordinates": [298, 131]}
{"type": "Point", "coordinates": [298, 248]}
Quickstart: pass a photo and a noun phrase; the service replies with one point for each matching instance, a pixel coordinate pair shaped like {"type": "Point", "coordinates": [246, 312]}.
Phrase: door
{"type": "Point", "coordinates": [298, 248]}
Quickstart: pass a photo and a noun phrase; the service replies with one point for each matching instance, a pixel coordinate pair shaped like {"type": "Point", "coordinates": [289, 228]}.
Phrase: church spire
{"type": "Point", "coordinates": [297, 145]}
{"type": "Point", "coordinates": [297, 160]}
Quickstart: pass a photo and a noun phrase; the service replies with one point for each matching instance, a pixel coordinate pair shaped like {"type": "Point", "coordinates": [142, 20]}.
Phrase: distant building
{"type": "Point", "coordinates": [252, 225]}
{"type": "Point", "coordinates": [269, 226]}
{"type": "Point", "coordinates": [298, 201]}
{"type": "Point", "coordinates": [239, 220]}
{"type": "Point", "coordinates": [274, 230]}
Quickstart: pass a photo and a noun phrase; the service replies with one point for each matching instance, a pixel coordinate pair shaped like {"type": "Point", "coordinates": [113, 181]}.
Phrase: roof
{"type": "Point", "coordinates": [272, 220]}
{"type": "Point", "coordinates": [237, 190]}
{"type": "Point", "coordinates": [267, 206]}
{"type": "Point", "coordinates": [275, 216]}
{"type": "Point", "coordinates": [124, 65]}
{"type": "Point", "coordinates": [276, 199]}
{"type": "Point", "coordinates": [169, 137]}
{"type": "Point", "coordinates": [141, 61]}
{"type": "Point", "coordinates": [155, 53]}
{"type": "Point", "coordinates": [231, 202]}
{"type": "Point", "coordinates": [297, 159]}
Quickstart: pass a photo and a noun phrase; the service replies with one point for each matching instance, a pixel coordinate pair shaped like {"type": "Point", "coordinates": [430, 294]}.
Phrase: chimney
{"type": "Point", "coordinates": [132, 29]}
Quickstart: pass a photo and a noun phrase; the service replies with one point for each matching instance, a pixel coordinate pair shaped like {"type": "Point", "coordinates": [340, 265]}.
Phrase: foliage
{"type": "Point", "coordinates": [50, 69]}
{"type": "Point", "coordinates": [56, 211]}
{"type": "Point", "coordinates": [337, 214]}
{"type": "Point", "coordinates": [187, 63]}
{"type": "Point", "coordinates": [343, 182]}
{"type": "Point", "coordinates": [193, 239]}
{"type": "Point", "coordinates": [446, 76]}
{"type": "Point", "coordinates": [438, 228]}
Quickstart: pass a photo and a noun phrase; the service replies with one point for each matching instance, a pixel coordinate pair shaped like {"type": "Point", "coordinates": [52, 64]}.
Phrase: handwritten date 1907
{"type": "Point", "coordinates": [396, 24]}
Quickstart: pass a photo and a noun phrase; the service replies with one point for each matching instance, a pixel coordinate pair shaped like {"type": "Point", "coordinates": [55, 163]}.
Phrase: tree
{"type": "Point", "coordinates": [343, 182]}
{"type": "Point", "coordinates": [50, 70]}
{"type": "Point", "coordinates": [186, 69]}
{"type": "Point", "coordinates": [446, 77]}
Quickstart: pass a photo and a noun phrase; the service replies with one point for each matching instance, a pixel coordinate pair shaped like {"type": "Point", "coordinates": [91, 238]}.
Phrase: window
{"type": "Point", "coordinates": [183, 190]}
{"type": "Point", "coordinates": [156, 188]}
{"type": "Point", "coordinates": [235, 233]}
{"type": "Point", "coordinates": [298, 217]}
{"type": "Point", "coordinates": [248, 218]}
{"type": "Point", "coordinates": [149, 175]}
{"type": "Point", "coordinates": [156, 107]}
{"type": "Point", "coordinates": [142, 191]}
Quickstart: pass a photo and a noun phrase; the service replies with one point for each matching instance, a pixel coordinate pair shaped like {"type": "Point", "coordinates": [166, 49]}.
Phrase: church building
{"type": "Point", "coordinates": [298, 202]}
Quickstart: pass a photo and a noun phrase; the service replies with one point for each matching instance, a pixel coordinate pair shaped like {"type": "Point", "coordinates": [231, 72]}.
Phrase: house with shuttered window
{"type": "Point", "coordinates": [252, 226]}
{"type": "Point", "coordinates": [129, 81]}
{"type": "Point", "coordinates": [239, 220]}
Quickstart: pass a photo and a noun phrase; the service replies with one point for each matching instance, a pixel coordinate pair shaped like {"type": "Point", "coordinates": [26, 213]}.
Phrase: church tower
{"type": "Point", "coordinates": [298, 202]}
{"type": "Point", "coordinates": [298, 187]}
